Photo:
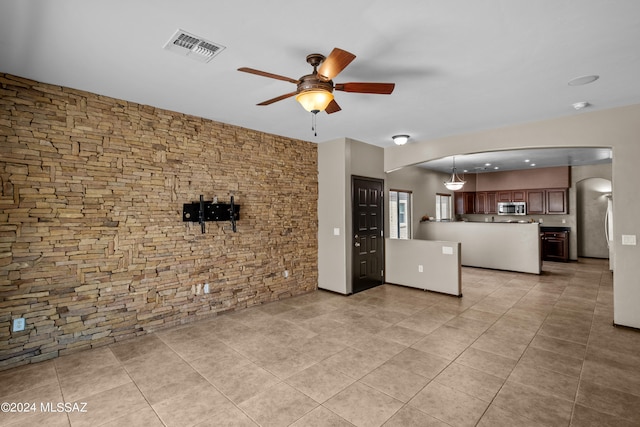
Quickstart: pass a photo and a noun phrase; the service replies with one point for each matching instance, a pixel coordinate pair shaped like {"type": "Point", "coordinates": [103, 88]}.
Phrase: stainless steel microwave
{"type": "Point", "coordinates": [512, 208]}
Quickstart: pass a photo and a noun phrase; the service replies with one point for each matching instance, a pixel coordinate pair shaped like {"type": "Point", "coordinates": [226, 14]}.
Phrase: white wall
{"type": "Point", "coordinates": [441, 272]}
{"type": "Point", "coordinates": [618, 128]}
{"type": "Point", "coordinates": [424, 184]}
{"type": "Point", "coordinates": [332, 270]}
{"type": "Point", "coordinates": [338, 160]}
{"type": "Point", "coordinates": [514, 247]}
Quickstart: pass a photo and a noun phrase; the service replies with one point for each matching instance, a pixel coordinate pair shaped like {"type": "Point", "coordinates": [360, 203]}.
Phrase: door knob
{"type": "Point", "coordinates": [357, 245]}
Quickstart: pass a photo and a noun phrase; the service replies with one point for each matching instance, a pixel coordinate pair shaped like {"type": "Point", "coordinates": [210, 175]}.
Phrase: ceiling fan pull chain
{"type": "Point", "coordinates": [314, 125]}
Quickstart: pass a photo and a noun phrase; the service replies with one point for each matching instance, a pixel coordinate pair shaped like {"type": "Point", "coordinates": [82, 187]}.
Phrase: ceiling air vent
{"type": "Point", "coordinates": [193, 46]}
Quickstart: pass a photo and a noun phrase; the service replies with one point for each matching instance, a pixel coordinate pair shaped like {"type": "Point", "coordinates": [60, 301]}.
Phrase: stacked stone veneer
{"type": "Point", "coordinates": [93, 248]}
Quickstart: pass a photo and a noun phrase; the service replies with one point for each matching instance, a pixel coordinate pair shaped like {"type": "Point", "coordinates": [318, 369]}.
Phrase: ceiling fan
{"type": "Point", "coordinates": [315, 90]}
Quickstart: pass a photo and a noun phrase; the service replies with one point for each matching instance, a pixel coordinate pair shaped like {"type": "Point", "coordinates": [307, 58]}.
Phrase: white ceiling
{"type": "Point", "coordinates": [459, 65]}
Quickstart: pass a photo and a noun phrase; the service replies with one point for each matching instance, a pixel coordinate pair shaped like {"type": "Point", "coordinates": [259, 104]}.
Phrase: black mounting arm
{"type": "Point", "coordinates": [201, 214]}
{"type": "Point", "coordinates": [232, 217]}
{"type": "Point", "coordinates": [203, 211]}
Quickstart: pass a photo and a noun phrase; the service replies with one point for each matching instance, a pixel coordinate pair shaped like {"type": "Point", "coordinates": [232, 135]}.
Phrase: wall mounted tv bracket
{"type": "Point", "coordinates": [209, 211]}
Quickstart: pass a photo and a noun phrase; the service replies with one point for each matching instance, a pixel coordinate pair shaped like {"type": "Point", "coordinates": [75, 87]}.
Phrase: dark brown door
{"type": "Point", "coordinates": [368, 240]}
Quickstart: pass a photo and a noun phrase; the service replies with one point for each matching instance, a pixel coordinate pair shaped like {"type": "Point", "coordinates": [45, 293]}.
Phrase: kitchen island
{"type": "Point", "coordinates": [508, 246]}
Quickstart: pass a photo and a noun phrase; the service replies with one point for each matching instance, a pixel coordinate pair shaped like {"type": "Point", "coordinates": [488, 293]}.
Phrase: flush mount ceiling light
{"type": "Point", "coordinates": [454, 183]}
{"type": "Point", "coordinates": [580, 105]}
{"type": "Point", "coordinates": [400, 139]}
{"type": "Point", "coordinates": [583, 80]}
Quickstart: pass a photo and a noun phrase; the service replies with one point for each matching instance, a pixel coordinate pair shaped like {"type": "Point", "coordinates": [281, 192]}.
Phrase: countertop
{"type": "Point", "coordinates": [556, 229]}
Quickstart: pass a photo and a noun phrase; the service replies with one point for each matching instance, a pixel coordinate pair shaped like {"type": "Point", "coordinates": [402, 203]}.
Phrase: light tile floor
{"type": "Point", "coordinates": [516, 350]}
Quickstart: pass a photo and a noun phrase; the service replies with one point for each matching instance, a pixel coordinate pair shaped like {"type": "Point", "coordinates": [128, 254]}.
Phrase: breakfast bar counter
{"type": "Point", "coordinates": [498, 245]}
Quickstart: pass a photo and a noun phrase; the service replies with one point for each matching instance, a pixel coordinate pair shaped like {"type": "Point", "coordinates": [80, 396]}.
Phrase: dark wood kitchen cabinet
{"type": "Point", "coordinates": [486, 202]}
{"type": "Point", "coordinates": [557, 201]}
{"type": "Point", "coordinates": [555, 245]}
{"type": "Point", "coordinates": [512, 196]}
{"type": "Point", "coordinates": [551, 201]}
{"type": "Point", "coordinates": [536, 202]}
{"type": "Point", "coordinates": [465, 202]}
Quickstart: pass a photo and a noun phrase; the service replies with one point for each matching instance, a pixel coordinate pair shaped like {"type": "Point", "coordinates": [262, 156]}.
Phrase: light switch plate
{"type": "Point", "coordinates": [336, 231]}
{"type": "Point", "coordinates": [629, 239]}
{"type": "Point", "coordinates": [447, 250]}
{"type": "Point", "coordinates": [19, 324]}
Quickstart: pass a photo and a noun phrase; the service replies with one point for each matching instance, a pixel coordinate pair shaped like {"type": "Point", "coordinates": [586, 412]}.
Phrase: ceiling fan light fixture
{"type": "Point", "coordinates": [400, 139]}
{"type": "Point", "coordinates": [314, 100]}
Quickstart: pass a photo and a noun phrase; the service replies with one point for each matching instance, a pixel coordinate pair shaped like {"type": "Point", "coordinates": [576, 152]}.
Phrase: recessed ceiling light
{"type": "Point", "coordinates": [496, 167]}
{"type": "Point", "coordinates": [583, 80]}
{"type": "Point", "coordinates": [465, 171]}
{"type": "Point", "coordinates": [527, 161]}
{"type": "Point", "coordinates": [487, 164]}
{"type": "Point", "coordinates": [532, 164]}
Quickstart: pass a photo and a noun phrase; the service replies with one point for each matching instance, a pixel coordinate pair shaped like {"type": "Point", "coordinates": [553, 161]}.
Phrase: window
{"type": "Point", "coordinates": [443, 207]}
{"type": "Point", "coordinates": [400, 214]}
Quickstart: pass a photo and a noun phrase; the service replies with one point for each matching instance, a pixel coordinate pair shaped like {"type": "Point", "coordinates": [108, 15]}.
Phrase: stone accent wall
{"type": "Point", "coordinates": [93, 248]}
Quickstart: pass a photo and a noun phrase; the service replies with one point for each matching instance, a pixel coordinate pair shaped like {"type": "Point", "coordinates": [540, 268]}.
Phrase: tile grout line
{"type": "Point", "coordinates": [136, 384]}
{"type": "Point", "coordinates": [55, 368]}
{"type": "Point", "coordinates": [586, 350]}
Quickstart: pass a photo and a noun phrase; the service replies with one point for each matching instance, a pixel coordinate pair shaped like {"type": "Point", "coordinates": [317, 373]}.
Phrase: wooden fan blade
{"type": "Point", "coordinates": [333, 107]}
{"type": "Point", "coordinates": [270, 75]}
{"type": "Point", "coordinates": [278, 98]}
{"type": "Point", "coordinates": [377, 88]}
{"type": "Point", "coordinates": [337, 61]}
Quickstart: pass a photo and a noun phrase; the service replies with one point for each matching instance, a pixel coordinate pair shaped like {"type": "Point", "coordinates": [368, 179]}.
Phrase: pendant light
{"type": "Point", "coordinates": [454, 183]}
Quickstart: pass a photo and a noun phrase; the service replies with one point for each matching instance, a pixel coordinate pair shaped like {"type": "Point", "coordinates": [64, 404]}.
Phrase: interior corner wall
{"type": "Point", "coordinates": [332, 187]}
{"type": "Point", "coordinates": [338, 161]}
{"type": "Point", "coordinates": [93, 248]}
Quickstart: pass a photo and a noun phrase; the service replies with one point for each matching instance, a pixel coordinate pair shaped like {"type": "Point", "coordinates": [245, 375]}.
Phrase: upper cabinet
{"type": "Point", "coordinates": [557, 202]}
{"type": "Point", "coordinates": [465, 202]}
{"type": "Point", "coordinates": [486, 202]}
{"type": "Point", "coordinates": [545, 191]}
{"type": "Point", "coordinates": [547, 201]}
{"type": "Point", "coordinates": [551, 201]}
{"type": "Point", "coordinates": [512, 196]}
{"type": "Point", "coordinates": [536, 202]}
